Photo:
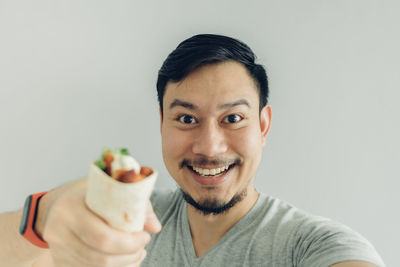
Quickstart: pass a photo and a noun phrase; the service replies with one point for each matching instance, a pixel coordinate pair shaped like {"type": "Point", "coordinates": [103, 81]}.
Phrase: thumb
{"type": "Point", "coordinates": [152, 224]}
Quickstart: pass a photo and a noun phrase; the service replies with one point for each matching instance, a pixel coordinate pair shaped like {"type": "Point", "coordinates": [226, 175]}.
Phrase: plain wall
{"type": "Point", "coordinates": [77, 76]}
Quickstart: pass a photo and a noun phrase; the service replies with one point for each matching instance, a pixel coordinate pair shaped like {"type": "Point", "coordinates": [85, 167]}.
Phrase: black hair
{"type": "Point", "coordinates": [204, 49]}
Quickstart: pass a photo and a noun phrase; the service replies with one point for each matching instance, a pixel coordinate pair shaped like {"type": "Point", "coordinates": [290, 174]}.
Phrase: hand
{"type": "Point", "coordinates": [78, 237]}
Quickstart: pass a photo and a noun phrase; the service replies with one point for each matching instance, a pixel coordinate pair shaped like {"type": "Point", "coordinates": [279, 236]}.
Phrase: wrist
{"type": "Point", "coordinates": [28, 220]}
{"type": "Point", "coordinates": [43, 207]}
{"type": "Point", "coordinates": [45, 204]}
{"type": "Point", "coordinates": [40, 217]}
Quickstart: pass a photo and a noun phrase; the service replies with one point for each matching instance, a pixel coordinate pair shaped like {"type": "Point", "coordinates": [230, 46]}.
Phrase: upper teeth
{"type": "Point", "coordinates": [210, 171]}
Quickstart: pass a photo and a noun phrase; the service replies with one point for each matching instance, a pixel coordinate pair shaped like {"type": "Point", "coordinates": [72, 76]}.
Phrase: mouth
{"type": "Point", "coordinates": [210, 177]}
{"type": "Point", "coordinates": [211, 172]}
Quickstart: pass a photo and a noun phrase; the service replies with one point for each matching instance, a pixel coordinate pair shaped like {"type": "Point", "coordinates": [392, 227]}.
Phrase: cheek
{"type": "Point", "coordinates": [173, 144]}
{"type": "Point", "coordinates": [247, 141]}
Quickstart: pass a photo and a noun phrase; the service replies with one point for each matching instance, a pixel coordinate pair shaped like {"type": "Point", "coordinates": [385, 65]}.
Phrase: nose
{"type": "Point", "coordinates": [210, 140]}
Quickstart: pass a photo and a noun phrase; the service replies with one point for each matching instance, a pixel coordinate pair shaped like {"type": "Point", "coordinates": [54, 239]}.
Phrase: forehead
{"type": "Point", "coordinates": [214, 83]}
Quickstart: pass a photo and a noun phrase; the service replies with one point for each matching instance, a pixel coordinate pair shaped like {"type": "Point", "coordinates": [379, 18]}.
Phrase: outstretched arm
{"type": "Point", "coordinates": [76, 236]}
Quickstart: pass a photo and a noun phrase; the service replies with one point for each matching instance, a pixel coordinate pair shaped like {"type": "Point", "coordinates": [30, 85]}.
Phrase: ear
{"type": "Point", "coordinates": [265, 122]}
{"type": "Point", "coordinates": [161, 119]}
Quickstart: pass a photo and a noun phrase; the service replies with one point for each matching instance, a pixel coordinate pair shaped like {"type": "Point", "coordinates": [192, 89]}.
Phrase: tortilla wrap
{"type": "Point", "coordinates": [122, 205]}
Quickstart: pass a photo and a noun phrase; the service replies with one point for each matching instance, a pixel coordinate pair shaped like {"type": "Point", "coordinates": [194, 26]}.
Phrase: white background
{"type": "Point", "coordinates": [76, 76]}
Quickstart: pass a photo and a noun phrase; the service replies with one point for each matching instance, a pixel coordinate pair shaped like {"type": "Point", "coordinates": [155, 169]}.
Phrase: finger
{"type": "Point", "coordinates": [67, 259]}
{"type": "Point", "coordinates": [137, 264]}
{"type": "Point", "coordinates": [96, 233]}
{"type": "Point", "coordinates": [152, 224]}
{"type": "Point", "coordinates": [89, 256]}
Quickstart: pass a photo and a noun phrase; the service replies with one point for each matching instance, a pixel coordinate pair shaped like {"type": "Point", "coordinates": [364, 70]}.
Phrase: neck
{"type": "Point", "coordinates": [207, 230]}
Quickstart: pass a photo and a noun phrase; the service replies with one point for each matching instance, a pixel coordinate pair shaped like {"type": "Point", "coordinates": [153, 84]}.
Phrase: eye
{"type": "Point", "coordinates": [232, 118]}
{"type": "Point", "coordinates": [186, 119]}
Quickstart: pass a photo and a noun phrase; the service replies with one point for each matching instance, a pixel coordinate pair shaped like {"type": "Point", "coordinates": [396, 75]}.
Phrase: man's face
{"type": "Point", "coordinates": [212, 132]}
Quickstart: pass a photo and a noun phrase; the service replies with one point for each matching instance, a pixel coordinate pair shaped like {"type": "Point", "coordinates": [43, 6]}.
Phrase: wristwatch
{"type": "Point", "coordinates": [27, 226]}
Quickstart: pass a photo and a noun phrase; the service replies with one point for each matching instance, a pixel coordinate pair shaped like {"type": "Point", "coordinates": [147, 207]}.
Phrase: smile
{"type": "Point", "coordinates": [211, 172]}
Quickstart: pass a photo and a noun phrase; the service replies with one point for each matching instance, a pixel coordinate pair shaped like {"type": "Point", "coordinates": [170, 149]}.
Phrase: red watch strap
{"type": "Point", "coordinates": [30, 233]}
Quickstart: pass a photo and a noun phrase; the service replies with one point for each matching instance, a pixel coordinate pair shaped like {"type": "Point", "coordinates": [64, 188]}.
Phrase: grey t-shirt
{"type": "Point", "coordinates": [273, 233]}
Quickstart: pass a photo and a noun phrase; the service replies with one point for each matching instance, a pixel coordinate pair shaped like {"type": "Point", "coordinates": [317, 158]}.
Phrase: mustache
{"type": "Point", "coordinates": [207, 162]}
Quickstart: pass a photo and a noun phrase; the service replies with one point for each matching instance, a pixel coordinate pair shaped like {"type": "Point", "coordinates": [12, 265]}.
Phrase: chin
{"type": "Point", "coordinates": [213, 205]}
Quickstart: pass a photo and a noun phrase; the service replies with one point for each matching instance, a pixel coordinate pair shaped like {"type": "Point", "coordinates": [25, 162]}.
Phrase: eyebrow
{"type": "Point", "coordinates": [181, 103]}
{"type": "Point", "coordinates": [185, 104]}
{"type": "Point", "coordinates": [234, 104]}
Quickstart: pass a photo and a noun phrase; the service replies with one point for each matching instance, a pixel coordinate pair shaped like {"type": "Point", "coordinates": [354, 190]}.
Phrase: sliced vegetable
{"type": "Point", "coordinates": [122, 151]}
{"type": "Point", "coordinates": [101, 164]}
{"type": "Point", "coordinates": [122, 175]}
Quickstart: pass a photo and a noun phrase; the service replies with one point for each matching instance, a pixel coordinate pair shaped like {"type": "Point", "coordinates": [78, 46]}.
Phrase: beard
{"type": "Point", "coordinates": [214, 206]}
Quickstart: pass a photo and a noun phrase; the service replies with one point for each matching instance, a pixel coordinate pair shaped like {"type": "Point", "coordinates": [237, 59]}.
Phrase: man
{"type": "Point", "coordinates": [214, 119]}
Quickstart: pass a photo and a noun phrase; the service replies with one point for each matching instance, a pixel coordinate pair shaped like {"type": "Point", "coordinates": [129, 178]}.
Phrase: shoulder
{"type": "Point", "coordinates": [313, 240]}
{"type": "Point", "coordinates": [281, 214]}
